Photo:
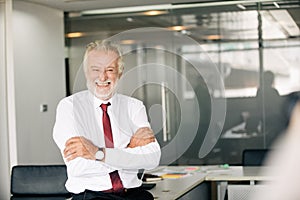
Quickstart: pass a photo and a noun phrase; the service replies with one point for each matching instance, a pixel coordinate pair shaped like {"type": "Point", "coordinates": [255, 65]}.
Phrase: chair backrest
{"type": "Point", "coordinates": [39, 181]}
{"type": "Point", "coordinates": [254, 157]}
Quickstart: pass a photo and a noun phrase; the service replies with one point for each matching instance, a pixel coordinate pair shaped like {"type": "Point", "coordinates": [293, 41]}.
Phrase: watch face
{"type": "Point", "coordinates": [99, 155]}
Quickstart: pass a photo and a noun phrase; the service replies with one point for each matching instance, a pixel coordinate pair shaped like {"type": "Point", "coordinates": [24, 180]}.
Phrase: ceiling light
{"type": "Point", "coordinates": [276, 5]}
{"type": "Point", "coordinates": [241, 6]}
{"type": "Point", "coordinates": [74, 14]}
{"type": "Point", "coordinates": [74, 35]}
{"type": "Point", "coordinates": [127, 9]}
{"type": "Point", "coordinates": [127, 41]}
{"type": "Point", "coordinates": [213, 37]}
{"type": "Point", "coordinates": [155, 12]}
{"type": "Point", "coordinates": [177, 28]}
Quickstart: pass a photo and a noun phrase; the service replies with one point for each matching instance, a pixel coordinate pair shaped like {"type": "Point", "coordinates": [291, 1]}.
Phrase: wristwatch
{"type": "Point", "coordinates": [99, 154]}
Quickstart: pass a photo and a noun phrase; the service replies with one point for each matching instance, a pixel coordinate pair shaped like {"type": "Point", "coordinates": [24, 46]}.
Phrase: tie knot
{"type": "Point", "coordinates": [104, 106]}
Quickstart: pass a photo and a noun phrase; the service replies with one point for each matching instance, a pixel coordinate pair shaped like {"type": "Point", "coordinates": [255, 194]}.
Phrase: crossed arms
{"type": "Point", "coordinates": [81, 147]}
{"type": "Point", "coordinates": [142, 150]}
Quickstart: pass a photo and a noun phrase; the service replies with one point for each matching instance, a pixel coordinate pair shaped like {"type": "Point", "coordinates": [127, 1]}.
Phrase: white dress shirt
{"type": "Point", "coordinates": [81, 115]}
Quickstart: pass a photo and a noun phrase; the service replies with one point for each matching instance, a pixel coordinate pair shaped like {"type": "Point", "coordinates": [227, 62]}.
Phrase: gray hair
{"type": "Point", "coordinates": [104, 45]}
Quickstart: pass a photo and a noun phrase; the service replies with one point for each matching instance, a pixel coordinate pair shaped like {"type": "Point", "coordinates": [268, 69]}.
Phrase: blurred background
{"type": "Point", "coordinates": [254, 45]}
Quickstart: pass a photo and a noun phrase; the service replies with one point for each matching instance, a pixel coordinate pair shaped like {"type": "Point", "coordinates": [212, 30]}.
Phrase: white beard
{"type": "Point", "coordinates": [92, 86]}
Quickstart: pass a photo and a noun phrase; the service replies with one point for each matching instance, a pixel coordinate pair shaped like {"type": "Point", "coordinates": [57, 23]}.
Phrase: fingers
{"type": "Point", "coordinates": [144, 133]}
{"type": "Point", "coordinates": [70, 149]}
{"type": "Point", "coordinates": [73, 140]}
{"type": "Point", "coordinates": [71, 145]}
{"type": "Point", "coordinates": [140, 142]}
{"type": "Point", "coordinates": [142, 137]}
{"type": "Point", "coordinates": [79, 147]}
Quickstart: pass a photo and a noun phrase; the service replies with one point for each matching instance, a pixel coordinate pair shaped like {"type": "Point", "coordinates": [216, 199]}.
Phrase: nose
{"type": "Point", "coordinates": [102, 75]}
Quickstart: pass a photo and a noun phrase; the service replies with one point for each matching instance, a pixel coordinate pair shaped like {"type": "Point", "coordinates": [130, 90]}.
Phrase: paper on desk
{"type": "Point", "coordinates": [167, 173]}
{"type": "Point", "coordinates": [174, 176]}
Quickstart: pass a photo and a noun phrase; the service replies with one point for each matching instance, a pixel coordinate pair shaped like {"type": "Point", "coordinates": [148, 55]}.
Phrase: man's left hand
{"type": "Point", "coordinates": [142, 137]}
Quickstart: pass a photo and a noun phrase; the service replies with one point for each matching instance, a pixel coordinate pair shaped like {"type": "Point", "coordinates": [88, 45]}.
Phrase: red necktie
{"type": "Point", "coordinates": [109, 143]}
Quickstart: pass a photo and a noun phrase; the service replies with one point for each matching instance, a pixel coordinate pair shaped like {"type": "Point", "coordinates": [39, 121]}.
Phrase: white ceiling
{"type": "Point", "coordinates": [80, 5]}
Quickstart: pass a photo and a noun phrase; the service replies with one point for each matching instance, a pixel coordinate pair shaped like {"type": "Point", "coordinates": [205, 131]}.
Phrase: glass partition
{"type": "Point", "coordinates": [254, 47]}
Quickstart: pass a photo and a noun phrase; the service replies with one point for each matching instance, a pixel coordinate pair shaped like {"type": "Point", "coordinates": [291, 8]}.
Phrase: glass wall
{"type": "Point", "coordinates": [255, 49]}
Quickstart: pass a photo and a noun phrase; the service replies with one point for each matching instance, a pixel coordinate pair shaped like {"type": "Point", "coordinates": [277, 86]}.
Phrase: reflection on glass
{"type": "Point", "coordinates": [229, 36]}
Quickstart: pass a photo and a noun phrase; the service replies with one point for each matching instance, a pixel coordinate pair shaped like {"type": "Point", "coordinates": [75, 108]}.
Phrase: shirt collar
{"type": "Point", "coordinates": [98, 102]}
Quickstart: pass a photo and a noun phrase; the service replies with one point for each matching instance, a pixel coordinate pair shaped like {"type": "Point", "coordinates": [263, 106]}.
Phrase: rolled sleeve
{"type": "Point", "coordinates": [143, 157]}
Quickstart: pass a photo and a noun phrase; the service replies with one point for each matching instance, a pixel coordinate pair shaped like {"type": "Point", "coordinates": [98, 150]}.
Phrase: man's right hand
{"type": "Point", "coordinates": [142, 137]}
{"type": "Point", "coordinates": [80, 147]}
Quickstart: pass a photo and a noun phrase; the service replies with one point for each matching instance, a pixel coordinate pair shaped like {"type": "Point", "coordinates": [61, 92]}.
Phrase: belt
{"type": "Point", "coordinates": [124, 190]}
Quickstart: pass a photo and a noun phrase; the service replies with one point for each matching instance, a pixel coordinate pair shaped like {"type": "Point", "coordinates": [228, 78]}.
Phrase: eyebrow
{"type": "Point", "coordinates": [109, 66]}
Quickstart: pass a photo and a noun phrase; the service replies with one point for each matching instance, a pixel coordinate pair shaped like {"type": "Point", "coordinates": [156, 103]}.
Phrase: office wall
{"type": "Point", "coordinates": [4, 152]}
{"type": "Point", "coordinates": [39, 79]}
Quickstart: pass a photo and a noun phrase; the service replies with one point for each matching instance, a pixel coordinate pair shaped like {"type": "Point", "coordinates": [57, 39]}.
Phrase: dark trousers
{"type": "Point", "coordinates": [128, 194]}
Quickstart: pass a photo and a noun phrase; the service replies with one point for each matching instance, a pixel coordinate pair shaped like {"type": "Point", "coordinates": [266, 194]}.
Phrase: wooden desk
{"type": "Point", "coordinates": [171, 189]}
{"type": "Point", "coordinates": [175, 188]}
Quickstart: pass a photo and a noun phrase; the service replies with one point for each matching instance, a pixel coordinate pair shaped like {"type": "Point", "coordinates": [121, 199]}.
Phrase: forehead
{"type": "Point", "coordinates": [102, 58]}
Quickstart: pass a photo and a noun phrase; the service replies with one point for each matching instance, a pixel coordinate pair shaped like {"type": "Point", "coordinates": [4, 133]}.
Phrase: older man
{"type": "Point", "coordinates": [104, 137]}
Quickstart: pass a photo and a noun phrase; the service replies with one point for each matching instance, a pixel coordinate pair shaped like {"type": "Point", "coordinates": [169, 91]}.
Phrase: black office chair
{"type": "Point", "coordinates": [39, 182]}
{"type": "Point", "coordinates": [254, 157]}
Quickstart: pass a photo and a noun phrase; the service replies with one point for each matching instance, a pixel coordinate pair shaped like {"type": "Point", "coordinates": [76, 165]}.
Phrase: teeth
{"type": "Point", "coordinates": [106, 83]}
{"type": "Point", "coordinates": [97, 82]}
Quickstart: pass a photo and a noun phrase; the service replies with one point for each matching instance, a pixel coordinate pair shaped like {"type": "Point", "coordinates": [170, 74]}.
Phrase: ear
{"type": "Point", "coordinates": [120, 74]}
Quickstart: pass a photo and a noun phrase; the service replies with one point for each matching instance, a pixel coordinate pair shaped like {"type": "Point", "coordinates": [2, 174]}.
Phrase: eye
{"type": "Point", "coordinates": [95, 69]}
{"type": "Point", "coordinates": [111, 70]}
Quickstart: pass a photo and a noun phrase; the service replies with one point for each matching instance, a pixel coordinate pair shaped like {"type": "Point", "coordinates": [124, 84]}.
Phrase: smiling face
{"type": "Point", "coordinates": [102, 73]}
